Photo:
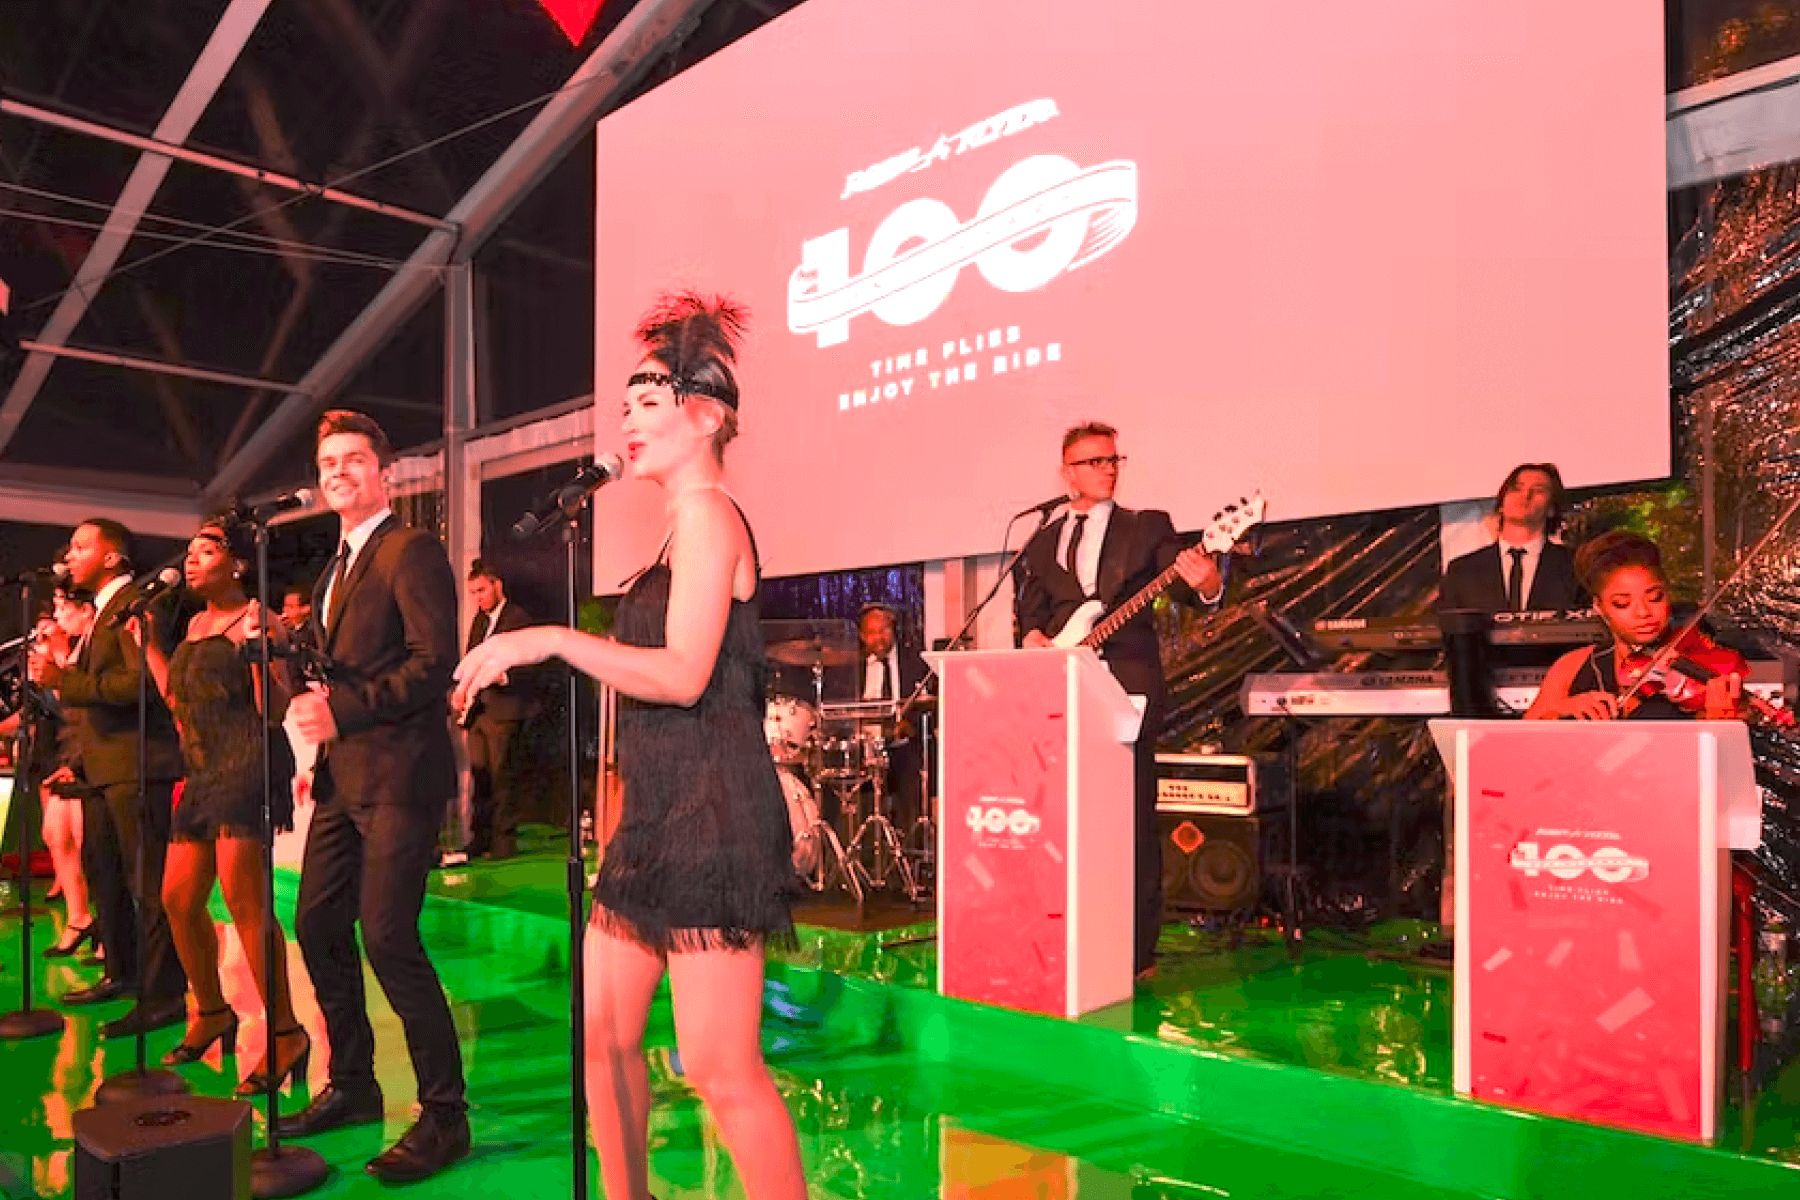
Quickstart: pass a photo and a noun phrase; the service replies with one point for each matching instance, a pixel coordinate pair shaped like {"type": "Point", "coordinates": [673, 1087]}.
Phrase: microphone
{"type": "Point", "coordinates": [262, 514]}
{"type": "Point", "coordinates": [58, 571]}
{"type": "Point", "coordinates": [563, 503]}
{"type": "Point", "coordinates": [1046, 507]}
{"type": "Point", "coordinates": [148, 591]}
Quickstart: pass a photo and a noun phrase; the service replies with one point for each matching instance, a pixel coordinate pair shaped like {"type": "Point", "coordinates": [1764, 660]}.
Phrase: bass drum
{"type": "Point", "coordinates": [792, 729]}
{"type": "Point", "coordinates": [803, 819]}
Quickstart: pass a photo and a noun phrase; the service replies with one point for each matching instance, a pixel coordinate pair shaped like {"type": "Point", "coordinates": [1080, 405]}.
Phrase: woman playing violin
{"type": "Point", "coordinates": [1624, 574]}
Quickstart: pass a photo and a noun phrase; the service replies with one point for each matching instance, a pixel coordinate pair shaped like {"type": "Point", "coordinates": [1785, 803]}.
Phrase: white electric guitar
{"type": "Point", "coordinates": [1087, 626]}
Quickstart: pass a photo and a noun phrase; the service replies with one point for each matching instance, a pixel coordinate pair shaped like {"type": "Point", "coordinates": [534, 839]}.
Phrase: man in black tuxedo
{"type": "Point", "coordinates": [1101, 551]}
{"type": "Point", "coordinates": [1523, 571]}
{"type": "Point", "coordinates": [385, 620]}
{"type": "Point", "coordinates": [888, 669]}
{"type": "Point", "coordinates": [492, 724]}
{"type": "Point", "coordinates": [100, 691]}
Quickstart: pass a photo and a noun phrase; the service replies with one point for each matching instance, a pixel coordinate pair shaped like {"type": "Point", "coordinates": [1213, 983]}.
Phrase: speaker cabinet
{"type": "Point", "coordinates": [191, 1147]}
{"type": "Point", "coordinates": [1215, 863]}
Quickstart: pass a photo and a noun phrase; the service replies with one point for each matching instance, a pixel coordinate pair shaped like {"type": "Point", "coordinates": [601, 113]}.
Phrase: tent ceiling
{"type": "Point", "coordinates": [406, 102]}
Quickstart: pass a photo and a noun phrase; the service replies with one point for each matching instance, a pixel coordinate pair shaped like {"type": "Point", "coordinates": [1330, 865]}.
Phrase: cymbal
{"type": "Point", "coordinates": [807, 652]}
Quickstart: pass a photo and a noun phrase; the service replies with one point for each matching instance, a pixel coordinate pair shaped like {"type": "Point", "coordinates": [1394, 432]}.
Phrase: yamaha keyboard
{"type": "Point", "coordinates": [1574, 627]}
{"type": "Point", "coordinates": [1415, 693]}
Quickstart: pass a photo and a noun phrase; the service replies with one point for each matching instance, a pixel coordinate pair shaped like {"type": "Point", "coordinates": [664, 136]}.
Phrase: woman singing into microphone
{"type": "Point", "coordinates": [216, 830]}
{"type": "Point", "coordinates": [696, 880]}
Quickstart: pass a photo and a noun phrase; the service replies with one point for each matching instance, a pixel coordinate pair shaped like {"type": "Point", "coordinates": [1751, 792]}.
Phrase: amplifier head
{"type": "Point", "coordinates": [1229, 784]}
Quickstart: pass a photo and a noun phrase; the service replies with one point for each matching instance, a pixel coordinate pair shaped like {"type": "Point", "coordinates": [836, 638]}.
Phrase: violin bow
{"type": "Point", "coordinates": [1663, 656]}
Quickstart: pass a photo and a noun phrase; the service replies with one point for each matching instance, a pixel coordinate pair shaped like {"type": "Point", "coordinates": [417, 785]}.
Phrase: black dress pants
{"type": "Point", "coordinates": [1148, 885]}
{"type": "Point", "coordinates": [368, 863]}
{"type": "Point", "coordinates": [115, 828]}
{"type": "Point", "coordinates": [493, 791]}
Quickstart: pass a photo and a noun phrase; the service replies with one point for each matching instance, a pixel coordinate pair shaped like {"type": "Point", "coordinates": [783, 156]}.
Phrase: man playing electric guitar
{"type": "Point", "coordinates": [1104, 552]}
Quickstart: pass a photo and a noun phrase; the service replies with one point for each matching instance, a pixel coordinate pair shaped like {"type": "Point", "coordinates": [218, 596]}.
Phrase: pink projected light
{"type": "Point", "coordinates": [1356, 256]}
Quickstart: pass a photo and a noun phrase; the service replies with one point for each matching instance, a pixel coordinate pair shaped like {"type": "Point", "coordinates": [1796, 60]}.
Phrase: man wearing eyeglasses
{"type": "Point", "coordinates": [1100, 550]}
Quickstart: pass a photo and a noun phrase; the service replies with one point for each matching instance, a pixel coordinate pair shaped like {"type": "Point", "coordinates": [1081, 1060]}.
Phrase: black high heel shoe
{"type": "Point", "coordinates": [257, 1082]}
{"type": "Point", "coordinates": [186, 1052]}
{"type": "Point", "coordinates": [66, 949]}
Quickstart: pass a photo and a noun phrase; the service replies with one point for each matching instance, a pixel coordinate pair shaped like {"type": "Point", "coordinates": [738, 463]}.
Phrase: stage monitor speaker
{"type": "Point", "coordinates": [1213, 862]}
{"type": "Point", "coordinates": [191, 1147]}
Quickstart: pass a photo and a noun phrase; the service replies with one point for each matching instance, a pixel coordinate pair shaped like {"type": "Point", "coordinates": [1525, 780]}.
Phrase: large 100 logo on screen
{"type": "Point", "coordinates": [1043, 217]}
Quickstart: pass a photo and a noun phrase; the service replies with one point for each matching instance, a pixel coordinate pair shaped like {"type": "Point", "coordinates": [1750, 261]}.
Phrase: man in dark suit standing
{"type": "Point", "coordinates": [492, 724]}
{"type": "Point", "coordinates": [888, 669]}
{"type": "Point", "coordinates": [385, 620]}
{"type": "Point", "coordinates": [100, 690]}
{"type": "Point", "coordinates": [1523, 571]}
{"type": "Point", "coordinates": [1101, 551]}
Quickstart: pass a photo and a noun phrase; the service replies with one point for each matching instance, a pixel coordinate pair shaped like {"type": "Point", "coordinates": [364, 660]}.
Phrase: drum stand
{"type": "Point", "coordinates": [833, 867]}
{"type": "Point", "coordinates": [883, 845]}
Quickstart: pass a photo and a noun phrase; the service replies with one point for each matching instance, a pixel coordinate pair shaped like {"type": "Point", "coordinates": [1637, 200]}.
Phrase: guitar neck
{"type": "Point", "coordinates": [1116, 619]}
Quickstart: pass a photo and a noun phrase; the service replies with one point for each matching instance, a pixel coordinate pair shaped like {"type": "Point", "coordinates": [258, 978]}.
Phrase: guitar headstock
{"type": "Point", "coordinates": [1232, 522]}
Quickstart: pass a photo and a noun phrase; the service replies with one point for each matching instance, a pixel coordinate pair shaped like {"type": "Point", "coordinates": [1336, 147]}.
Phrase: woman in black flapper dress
{"type": "Point", "coordinates": [696, 880]}
{"type": "Point", "coordinates": [216, 829]}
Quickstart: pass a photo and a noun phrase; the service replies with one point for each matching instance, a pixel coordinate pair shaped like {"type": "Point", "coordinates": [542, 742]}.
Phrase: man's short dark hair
{"type": "Point", "coordinates": [298, 588]}
{"type": "Point", "coordinates": [479, 569]}
{"type": "Point", "coordinates": [1088, 429]}
{"type": "Point", "coordinates": [1553, 521]}
{"type": "Point", "coordinates": [115, 537]}
{"type": "Point", "coordinates": [344, 420]}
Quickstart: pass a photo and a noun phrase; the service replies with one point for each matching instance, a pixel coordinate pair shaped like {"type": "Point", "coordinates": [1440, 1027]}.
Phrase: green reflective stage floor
{"type": "Point", "coordinates": [1236, 1073]}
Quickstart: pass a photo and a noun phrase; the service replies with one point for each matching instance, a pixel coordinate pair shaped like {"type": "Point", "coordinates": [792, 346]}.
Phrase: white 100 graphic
{"type": "Point", "coordinates": [916, 253]}
{"type": "Point", "coordinates": [1015, 821]}
{"type": "Point", "coordinates": [1609, 864]}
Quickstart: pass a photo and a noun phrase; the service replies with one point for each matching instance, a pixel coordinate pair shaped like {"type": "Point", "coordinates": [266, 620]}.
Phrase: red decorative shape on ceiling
{"type": "Point", "coordinates": [573, 17]}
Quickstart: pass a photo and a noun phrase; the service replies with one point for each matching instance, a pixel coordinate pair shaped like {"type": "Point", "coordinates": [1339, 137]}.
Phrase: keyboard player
{"type": "Point", "coordinates": [1524, 570]}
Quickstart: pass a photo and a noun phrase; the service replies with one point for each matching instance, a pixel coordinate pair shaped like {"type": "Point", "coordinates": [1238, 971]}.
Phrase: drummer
{"type": "Point", "coordinates": [888, 670]}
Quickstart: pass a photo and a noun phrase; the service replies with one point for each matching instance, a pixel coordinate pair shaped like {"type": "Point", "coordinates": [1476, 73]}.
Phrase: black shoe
{"type": "Point", "coordinates": [148, 1018]}
{"type": "Point", "coordinates": [67, 947]}
{"type": "Point", "coordinates": [225, 1033]}
{"type": "Point", "coordinates": [332, 1108]}
{"type": "Point", "coordinates": [1438, 950]}
{"type": "Point", "coordinates": [422, 1151]}
{"type": "Point", "coordinates": [98, 993]}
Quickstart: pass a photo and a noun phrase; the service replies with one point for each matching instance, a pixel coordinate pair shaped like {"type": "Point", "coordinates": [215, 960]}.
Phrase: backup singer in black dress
{"type": "Point", "coordinates": [215, 833]}
{"type": "Point", "coordinates": [696, 880]}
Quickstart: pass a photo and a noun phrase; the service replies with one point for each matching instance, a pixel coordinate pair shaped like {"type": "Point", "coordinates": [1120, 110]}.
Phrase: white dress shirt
{"type": "Point", "coordinates": [1087, 555]}
{"type": "Point", "coordinates": [492, 619]}
{"type": "Point", "coordinates": [885, 684]}
{"type": "Point", "coordinates": [102, 598]}
{"type": "Point", "coordinates": [355, 539]}
{"type": "Point", "coordinates": [1534, 554]}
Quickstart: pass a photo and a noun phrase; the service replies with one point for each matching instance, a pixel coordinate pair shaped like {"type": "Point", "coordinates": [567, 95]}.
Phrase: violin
{"type": "Point", "coordinates": [1679, 669]}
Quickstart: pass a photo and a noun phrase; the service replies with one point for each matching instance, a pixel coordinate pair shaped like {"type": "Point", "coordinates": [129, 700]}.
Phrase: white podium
{"type": "Point", "coordinates": [1035, 830]}
{"type": "Point", "coordinates": [1592, 908]}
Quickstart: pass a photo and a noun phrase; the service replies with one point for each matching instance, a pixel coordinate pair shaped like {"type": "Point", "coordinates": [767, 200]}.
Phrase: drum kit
{"type": "Point", "coordinates": [834, 758]}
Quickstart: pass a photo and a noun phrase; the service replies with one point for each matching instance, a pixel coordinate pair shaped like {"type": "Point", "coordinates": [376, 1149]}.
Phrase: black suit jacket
{"type": "Point", "coordinates": [912, 669]}
{"type": "Point", "coordinates": [503, 701]}
{"type": "Point", "coordinates": [1477, 581]}
{"type": "Point", "coordinates": [99, 692]}
{"type": "Point", "coordinates": [391, 649]}
{"type": "Point", "coordinates": [1139, 546]}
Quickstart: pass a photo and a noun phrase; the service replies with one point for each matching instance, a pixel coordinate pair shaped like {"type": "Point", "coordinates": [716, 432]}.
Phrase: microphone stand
{"type": "Point", "coordinates": [27, 1022]}
{"type": "Point", "coordinates": [575, 873]}
{"type": "Point", "coordinates": [968, 624]}
{"type": "Point", "coordinates": [275, 1170]}
{"type": "Point", "coordinates": [140, 1082]}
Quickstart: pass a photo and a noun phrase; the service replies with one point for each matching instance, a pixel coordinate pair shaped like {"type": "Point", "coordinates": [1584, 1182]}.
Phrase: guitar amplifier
{"type": "Point", "coordinates": [1227, 784]}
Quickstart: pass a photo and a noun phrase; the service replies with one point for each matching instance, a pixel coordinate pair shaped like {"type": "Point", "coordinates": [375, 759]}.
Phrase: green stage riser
{"type": "Point", "coordinates": [901, 1094]}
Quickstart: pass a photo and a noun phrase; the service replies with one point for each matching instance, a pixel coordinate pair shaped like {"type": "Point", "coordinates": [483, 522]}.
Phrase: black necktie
{"type": "Point", "coordinates": [1515, 582]}
{"type": "Point", "coordinates": [1075, 545]}
{"type": "Point", "coordinates": [337, 581]}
